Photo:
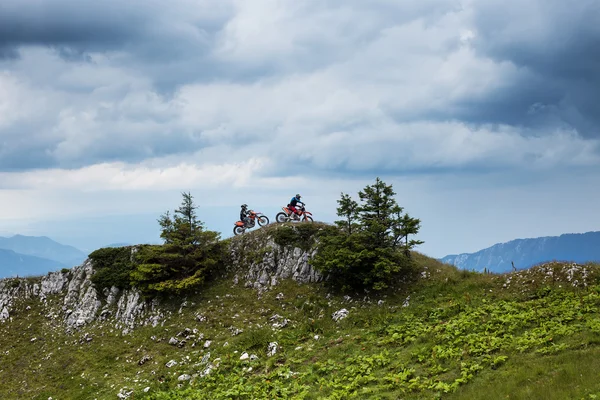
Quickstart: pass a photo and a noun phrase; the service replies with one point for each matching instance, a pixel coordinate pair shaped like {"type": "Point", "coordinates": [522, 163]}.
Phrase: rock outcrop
{"type": "Point", "coordinates": [266, 267]}
{"type": "Point", "coordinates": [80, 303]}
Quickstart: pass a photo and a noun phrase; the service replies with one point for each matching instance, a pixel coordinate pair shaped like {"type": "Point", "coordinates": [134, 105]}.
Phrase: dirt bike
{"type": "Point", "coordinates": [286, 215]}
{"type": "Point", "coordinates": [253, 217]}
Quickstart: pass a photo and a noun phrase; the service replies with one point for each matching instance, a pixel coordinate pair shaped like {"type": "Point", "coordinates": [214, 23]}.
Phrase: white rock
{"type": "Point", "coordinates": [272, 349]}
{"type": "Point", "coordinates": [340, 314]}
{"type": "Point", "coordinates": [244, 356]}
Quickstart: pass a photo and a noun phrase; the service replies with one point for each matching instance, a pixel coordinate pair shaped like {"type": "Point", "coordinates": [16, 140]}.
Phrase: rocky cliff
{"type": "Point", "coordinates": [76, 303]}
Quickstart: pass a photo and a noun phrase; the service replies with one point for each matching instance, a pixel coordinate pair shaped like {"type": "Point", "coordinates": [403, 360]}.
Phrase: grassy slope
{"type": "Point", "coordinates": [463, 335]}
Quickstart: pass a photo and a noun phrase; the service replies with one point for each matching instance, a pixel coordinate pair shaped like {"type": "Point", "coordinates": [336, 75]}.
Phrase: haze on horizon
{"type": "Point", "coordinates": [484, 115]}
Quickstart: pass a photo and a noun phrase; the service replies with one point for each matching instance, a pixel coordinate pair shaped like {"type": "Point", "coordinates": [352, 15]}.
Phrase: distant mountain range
{"type": "Point", "coordinates": [14, 264]}
{"type": "Point", "coordinates": [525, 253]}
{"type": "Point", "coordinates": [34, 255]}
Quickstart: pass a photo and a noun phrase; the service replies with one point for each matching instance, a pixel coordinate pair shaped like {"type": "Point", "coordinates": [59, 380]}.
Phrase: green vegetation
{"type": "Point", "coordinates": [405, 326]}
{"type": "Point", "coordinates": [453, 334]}
{"type": "Point", "coordinates": [372, 247]}
{"type": "Point", "coordinates": [188, 257]}
{"type": "Point", "coordinates": [112, 267]}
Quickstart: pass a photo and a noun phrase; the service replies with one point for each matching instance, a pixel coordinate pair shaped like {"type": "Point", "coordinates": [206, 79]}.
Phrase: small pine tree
{"type": "Point", "coordinates": [187, 257]}
{"type": "Point", "coordinates": [371, 246]}
{"type": "Point", "coordinates": [348, 208]}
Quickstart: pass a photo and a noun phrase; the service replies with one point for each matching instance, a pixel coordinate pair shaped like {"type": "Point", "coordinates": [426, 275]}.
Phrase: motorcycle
{"type": "Point", "coordinates": [286, 215]}
{"type": "Point", "coordinates": [254, 217]}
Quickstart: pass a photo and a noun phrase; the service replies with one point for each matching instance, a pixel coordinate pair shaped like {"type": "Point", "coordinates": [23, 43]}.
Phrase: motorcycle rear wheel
{"type": "Point", "coordinates": [238, 230]}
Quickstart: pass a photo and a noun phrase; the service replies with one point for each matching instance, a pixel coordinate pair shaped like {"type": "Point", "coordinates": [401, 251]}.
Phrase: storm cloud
{"type": "Point", "coordinates": [357, 87]}
{"type": "Point", "coordinates": [556, 46]}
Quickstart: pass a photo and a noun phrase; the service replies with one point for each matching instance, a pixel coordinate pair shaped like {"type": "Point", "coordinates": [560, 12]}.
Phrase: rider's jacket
{"type": "Point", "coordinates": [294, 201]}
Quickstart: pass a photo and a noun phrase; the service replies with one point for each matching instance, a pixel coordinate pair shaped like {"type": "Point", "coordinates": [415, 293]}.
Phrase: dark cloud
{"type": "Point", "coordinates": [8, 53]}
{"type": "Point", "coordinates": [73, 54]}
{"type": "Point", "coordinates": [68, 22]}
{"type": "Point", "coordinates": [556, 46]}
{"type": "Point", "coordinates": [20, 149]}
{"type": "Point", "coordinates": [147, 29]}
{"type": "Point", "coordinates": [307, 69]}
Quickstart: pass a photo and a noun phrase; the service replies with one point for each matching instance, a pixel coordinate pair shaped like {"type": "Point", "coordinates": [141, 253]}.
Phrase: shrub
{"type": "Point", "coordinates": [112, 267]}
{"type": "Point", "coordinates": [301, 235]}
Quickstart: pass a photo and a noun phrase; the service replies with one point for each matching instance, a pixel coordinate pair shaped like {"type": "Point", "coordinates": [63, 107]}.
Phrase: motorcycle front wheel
{"type": "Point", "coordinates": [281, 217]}
{"type": "Point", "coordinates": [238, 230]}
{"type": "Point", "coordinates": [307, 219]}
{"type": "Point", "coordinates": [263, 220]}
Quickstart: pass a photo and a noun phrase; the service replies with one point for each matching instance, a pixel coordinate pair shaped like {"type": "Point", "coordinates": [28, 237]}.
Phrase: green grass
{"type": "Point", "coordinates": [527, 335]}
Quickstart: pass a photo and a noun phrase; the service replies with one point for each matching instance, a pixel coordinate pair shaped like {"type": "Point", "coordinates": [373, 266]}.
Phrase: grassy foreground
{"type": "Point", "coordinates": [454, 335]}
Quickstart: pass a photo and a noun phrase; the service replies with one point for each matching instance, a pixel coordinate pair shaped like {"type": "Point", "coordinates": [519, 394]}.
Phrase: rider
{"type": "Point", "coordinates": [292, 206]}
{"type": "Point", "coordinates": [244, 214]}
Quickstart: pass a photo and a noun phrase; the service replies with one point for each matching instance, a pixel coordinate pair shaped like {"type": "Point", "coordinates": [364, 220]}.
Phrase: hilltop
{"type": "Point", "coordinates": [269, 326]}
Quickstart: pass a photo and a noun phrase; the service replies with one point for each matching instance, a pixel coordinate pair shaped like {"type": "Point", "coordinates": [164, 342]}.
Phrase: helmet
{"type": "Point", "coordinates": [298, 196]}
{"type": "Point", "coordinates": [244, 205]}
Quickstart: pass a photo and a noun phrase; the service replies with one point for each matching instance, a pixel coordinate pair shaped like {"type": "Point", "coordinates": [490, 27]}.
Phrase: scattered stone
{"type": "Point", "coordinates": [272, 349]}
{"type": "Point", "coordinates": [173, 341]}
{"type": "Point", "coordinates": [282, 324]}
{"type": "Point", "coordinates": [206, 371]}
{"type": "Point", "coordinates": [207, 344]}
{"type": "Point", "coordinates": [144, 359]}
{"type": "Point", "coordinates": [406, 302]}
{"type": "Point", "coordinates": [340, 314]}
{"type": "Point", "coordinates": [279, 296]}
{"type": "Point", "coordinates": [184, 377]}
{"type": "Point", "coordinates": [235, 331]}
{"type": "Point", "coordinates": [244, 356]}
{"type": "Point", "coordinates": [123, 394]}
{"type": "Point", "coordinates": [171, 363]}
{"type": "Point", "coordinates": [253, 357]}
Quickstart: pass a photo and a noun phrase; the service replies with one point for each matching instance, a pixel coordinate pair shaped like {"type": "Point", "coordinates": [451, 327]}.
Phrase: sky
{"type": "Point", "coordinates": [484, 115]}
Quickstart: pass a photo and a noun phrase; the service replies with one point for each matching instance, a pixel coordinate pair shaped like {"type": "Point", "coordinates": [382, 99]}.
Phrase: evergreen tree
{"type": "Point", "coordinates": [371, 248]}
{"type": "Point", "coordinates": [187, 257]}
{"type": "Point", "coordinates": [377, 213]}
{"type": "Point", "coordinates": [348, 208]}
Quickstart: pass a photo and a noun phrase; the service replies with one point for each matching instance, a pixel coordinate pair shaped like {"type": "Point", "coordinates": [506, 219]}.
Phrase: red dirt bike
{"type": "Point", "coordinates": [286, 215]}
{"type": "Point", "coordinates": [253, 217]}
